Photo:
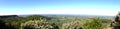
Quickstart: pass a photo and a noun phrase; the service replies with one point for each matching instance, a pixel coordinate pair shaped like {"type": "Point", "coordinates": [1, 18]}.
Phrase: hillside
{"type": "Point", "coordinates": [56, 21]}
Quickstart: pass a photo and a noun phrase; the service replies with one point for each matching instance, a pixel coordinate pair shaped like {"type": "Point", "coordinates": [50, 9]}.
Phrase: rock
{"type": "Point", "coordinates": [116, 23]}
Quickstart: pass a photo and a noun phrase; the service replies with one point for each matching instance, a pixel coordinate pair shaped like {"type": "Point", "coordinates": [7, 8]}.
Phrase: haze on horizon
{"type": "Point", "coordinates": [74, 7]}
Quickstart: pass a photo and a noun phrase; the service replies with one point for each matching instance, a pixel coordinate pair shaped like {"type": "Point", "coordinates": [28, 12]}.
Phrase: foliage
{"type": "Point", "coordinates": [41, 22]}
{"type": "Point", "coordinates": [37, 24]}
{"type": "Point", "coordinates": [35, 17]}
{"type": "Point", "coordinates": [16, 21]}
{"type": "Point", "coordinates": [93, 24]}
{"type": "Point", "coordinates": [72, 25]}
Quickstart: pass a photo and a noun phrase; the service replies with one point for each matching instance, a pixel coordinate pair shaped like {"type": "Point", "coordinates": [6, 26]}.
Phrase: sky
{"type": "Point", "coordinates": [75, 7]}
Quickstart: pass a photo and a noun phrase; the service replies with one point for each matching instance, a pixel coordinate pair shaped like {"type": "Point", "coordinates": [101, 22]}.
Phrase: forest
{"type": "Point", "coordinates": [53, 22]}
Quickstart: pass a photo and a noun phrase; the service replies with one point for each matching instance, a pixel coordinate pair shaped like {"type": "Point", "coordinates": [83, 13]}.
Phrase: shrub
{"type": "Point", "coordinates": [36, 17]}
{"type": "Point", "coordinates": [72, 25]}
{"type": "Point", "coordinates": [93, 24]}
{"type": "Point", "coordinates": [37, 24]}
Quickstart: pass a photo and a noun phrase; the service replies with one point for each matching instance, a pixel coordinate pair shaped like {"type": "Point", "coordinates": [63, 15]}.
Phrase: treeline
{"type": "Point", "coordinates": [42, 22]}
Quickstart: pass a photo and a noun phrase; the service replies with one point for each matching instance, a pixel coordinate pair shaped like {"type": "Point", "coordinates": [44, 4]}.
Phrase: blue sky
{"type": "Point", "coordinates": [89, 7]}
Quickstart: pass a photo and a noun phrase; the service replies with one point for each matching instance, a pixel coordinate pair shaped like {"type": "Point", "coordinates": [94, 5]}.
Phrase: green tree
{"type": "Point", "coordinates": [93, 24]}
{"type": "Point", "coordinates": [76, 24]}
{"type": "Point", "coordinates": [37, 24]}
{"type": "Point", "coordinates": [36, 17]}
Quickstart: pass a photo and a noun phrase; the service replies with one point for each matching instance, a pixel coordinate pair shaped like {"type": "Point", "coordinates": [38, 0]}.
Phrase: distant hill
{"type": "Point", "coordinates": [6, 16]}
{"type": "Point", "coordinates": [77, 16]}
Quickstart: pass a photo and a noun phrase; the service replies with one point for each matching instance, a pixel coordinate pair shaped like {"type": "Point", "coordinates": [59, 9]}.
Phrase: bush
{"type": "Point", "coordinates": [72, 25]}
{"type": "Point", "coordinates": [37, 24]}
{"type": "Point", "coordinates": [93, 24]}
{"type": "Point", "coordinates": [36, 17]}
